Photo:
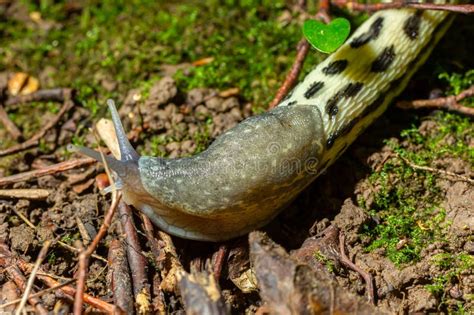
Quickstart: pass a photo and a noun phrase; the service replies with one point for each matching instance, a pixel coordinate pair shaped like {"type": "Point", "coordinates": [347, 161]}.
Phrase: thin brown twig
{"type": "Point", "coordinates": [50, 282]}
{"type": "Point", "coordinates": [17, 276]}
{"type": "Point", "coordinates": [119, 275]}
{"type": "Point", "coordinates": [39, 293]}
{"type": "Point", "coordinates": [9, 125]}
{"type": "Point", "coordinates": [435, 170]}
{"type": "Point", "coordinates": [49, 170]}
{"type": "Point", "coordinates": [219, 259]}
{"type": "Point", "coordinates": [67, 105]}
{"type": "Point", "coordinates": [302, 51]}
{"type": "Point", "coordinates": [31, 279]}
{"type": "Point", "coordinates": [46, 95]}
{"type": "Point", "coordinates": [84, 255]}
{"type": "Point", "coordinates": [15, 264]}
{"type": "Point", "coordinates": [369, 280]}
{"type": "Point", "coordinates": [158, 300]}
{"type": "Point", "coordinates": [372, 7]}
{"type": "Point", "coordinates": [136, 261]}
{"type": "Point", "coordinates": [450, 103]}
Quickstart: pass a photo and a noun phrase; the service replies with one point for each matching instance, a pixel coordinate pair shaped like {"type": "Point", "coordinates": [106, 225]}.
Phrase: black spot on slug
{"type": "Point", "coordinates": [411, 27]}
{"type": "Point", "coordinates": [335, 67]}
{"type": "Point", "coordinates": [292, 103]}
{"type": "Point", "coordinates": [330, 141]}
{"type": "Point", "coordinates": [384, 60]}
{"type": "Point", "coordinates": [371, 34]}
{"type": "Point", "coordinates": [313, 89]}
{"type": "Point", "coordinates": [349, 90]}
{"type": "Point", "coordinates": [331, 106]}
{"type": "Point", "coordinates": [352, 89]}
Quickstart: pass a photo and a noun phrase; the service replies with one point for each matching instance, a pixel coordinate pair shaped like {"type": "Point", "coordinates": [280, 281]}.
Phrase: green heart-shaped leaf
{"type": "Point", "coordinates": [326, 37]}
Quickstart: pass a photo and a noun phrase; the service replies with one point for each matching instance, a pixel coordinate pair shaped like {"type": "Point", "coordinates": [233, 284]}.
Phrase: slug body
{"type": "Point", "coordinates": [251, 172]}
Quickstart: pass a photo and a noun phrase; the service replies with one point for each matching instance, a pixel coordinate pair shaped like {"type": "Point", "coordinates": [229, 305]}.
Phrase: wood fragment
{"type": "Point", "coordinates": [8, 296]}
{"type": "Point", "coordinates": [35, 194]}
{"type": "Point", "coordinates": [16, 263]}
{"type": "Point", "coordinates": [437, 171]}
{"type": "Point", "coordinates": [201, 294]}
{"type": "Point", "coordinates": [49, 170]}
{"type": "Point", "coordinates": [119, 275]}
{"type": "Point", "coordinates": [84, 256]}
{"type": "Point", "coordinates": [369, 280]}
{"type": "Point", "coordinates": [31, 279]}
{"type": "Point", "coordinates": [299, 289]}
{"type": "Point", "coordinates": [34, 140]}
{"type": "Point", "coordinates": [39, 293]}
{"type": "Point", "coordinates": [10, 127]}
{"type": "Point", "coordinates": [136, 260]}
{"type": "Point", "coordinates": [353, 5]}
{"type": "Point", "coordinates": [46, 95]}
{"type": "Point", "coordinates": [450, 103]}
{"type": "Point", "coordinates": [17, 276]}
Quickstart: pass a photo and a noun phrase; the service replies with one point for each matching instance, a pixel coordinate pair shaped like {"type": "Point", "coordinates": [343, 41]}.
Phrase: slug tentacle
{"type": "Point", "coordinates": [127, 152]}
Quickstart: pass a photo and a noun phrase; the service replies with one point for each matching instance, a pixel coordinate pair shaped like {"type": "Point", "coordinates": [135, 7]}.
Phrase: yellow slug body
{"type": "Point", "coordinates": [354, 85]}
{"type": "Point", "coordinates": [251, 172]}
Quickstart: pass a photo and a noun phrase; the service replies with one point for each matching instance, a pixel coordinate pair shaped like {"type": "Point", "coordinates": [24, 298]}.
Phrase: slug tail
{"type": "Point", "coordinates": [127, 152]}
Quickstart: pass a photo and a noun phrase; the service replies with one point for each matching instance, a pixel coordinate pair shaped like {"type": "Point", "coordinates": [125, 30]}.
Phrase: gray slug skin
{"type": "Point", "coordinates": [251, 172]}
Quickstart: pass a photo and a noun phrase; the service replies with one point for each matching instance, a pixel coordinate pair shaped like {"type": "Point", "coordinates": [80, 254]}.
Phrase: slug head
{"type": "Point", "coordinates": [127, 166]}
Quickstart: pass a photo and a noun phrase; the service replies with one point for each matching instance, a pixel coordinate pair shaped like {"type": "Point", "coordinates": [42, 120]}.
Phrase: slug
{"type": "Point", "coordinates": [252, 171]}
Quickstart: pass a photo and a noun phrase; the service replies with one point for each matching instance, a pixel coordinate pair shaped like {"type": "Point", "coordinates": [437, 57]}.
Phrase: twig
{"type": "Point", "coordinates": [352, 5]}
{"type": "Point", "coordinates": [40, 293]}
{"type": "Point", "coordinates": [369, 280]}
{"type": "Point", "coordinates": [138, 264]}
{"type": "Point", "coordinates": [68, 104]}
{"type": "Point", "coordinates": [31, 279]}
{"type": "Point", "coordinates": [47, 95]}
{"type": "Point", "coordinates": [9, 125]}
{"type": "Point", "coordinates": [119, 275]}
{"type": "Point", "coordinates": [158, 300]}
{"type": "Point", "coordinates": [292, 76]}
{"type": "Point", "coordinates": [18, 278]}
{"type": "Point", "coordinates": [435, 170]}
{"type": "Point", "coordinates": [6, 260]}
{"type": "Point", "coordinates": [302, 51]}
{"type": "Point", "coordinates": [35, 194]}
{"type": "Point", "coordinates": [450, 103]}
{"type": "Point", "coordinates": [84, 256]}
{"type": "Point", "coordinates": [219, 258]}
{"type": "Point", "coordinates": [52, 169]}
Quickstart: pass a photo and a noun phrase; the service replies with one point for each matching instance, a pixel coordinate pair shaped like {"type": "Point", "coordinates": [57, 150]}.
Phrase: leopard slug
{"type": "Point", "coordinates": [252, 171]}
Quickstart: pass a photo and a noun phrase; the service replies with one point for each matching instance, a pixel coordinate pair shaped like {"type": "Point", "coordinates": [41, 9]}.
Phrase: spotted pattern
{"type": "Point", "coordinates": [411, 27]}
{"type": "Point", "coordinates": [349, 90]}
{"type": "Point", "coordinates": [371, 34]}
{"type": "Point", "coordinates": [350, 125]}
{"type": "Point", "coordinates": [335, 67]}
{"type": "Point", "coordinates": [384, 60]}
{"type": "Point", "coordinates": [313, 89]}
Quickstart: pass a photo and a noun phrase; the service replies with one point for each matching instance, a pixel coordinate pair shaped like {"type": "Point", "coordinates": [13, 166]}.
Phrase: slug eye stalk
{"type": "Point", "coordinates": [128, 156]}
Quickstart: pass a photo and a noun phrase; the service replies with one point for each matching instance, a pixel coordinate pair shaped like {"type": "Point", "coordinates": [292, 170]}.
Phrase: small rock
{"type": "Point", "coordinates": [215, 104]}
{"type": "Point", "coordinates": [162, 92]}
{"type": "Point", "coordinates": [236, 114]}
{"type": "Point", "coordinates": [172, 146]}
{"type": "Point", "coordinates": [195, 97]}
{"type": "Point", "coordinates": [230, 103]}
{"type": "Point", "coordinates": [201, 112]}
